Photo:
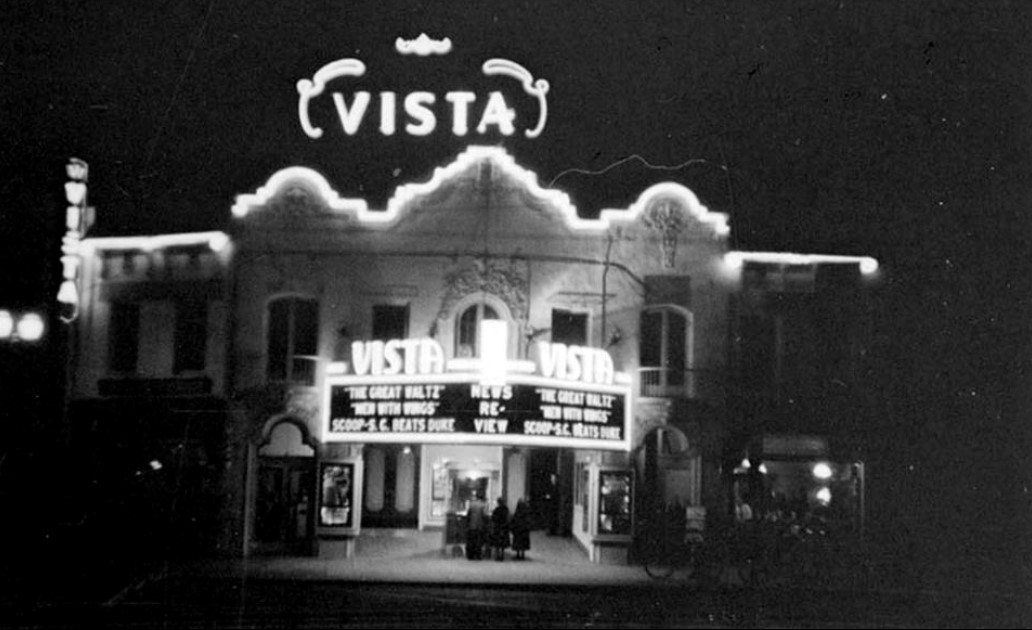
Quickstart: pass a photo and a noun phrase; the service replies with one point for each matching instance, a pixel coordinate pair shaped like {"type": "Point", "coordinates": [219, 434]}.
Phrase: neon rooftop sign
{"type": "Point", "coordinates": [417, 113]}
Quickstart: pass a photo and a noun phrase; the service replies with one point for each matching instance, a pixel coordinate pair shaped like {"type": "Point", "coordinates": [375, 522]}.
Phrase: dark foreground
{"type": "Point", "coordinates": [209, 602]}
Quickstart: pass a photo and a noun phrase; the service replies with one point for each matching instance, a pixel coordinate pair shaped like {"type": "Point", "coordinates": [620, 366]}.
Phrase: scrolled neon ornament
{"type": "Point", "coordinates": [418, 113]}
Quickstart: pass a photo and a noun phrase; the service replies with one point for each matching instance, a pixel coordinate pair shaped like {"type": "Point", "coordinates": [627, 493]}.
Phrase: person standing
{"type": "Point", "coordinates": [476, 525]}
{"type": "Point", "coordinates": [500, 529]}
{"type": "Point", "coordinates": [520, 527]}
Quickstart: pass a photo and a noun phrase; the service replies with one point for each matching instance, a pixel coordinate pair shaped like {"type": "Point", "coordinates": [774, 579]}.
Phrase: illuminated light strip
{"type": "Point", "coordinates": [512, 366]}
{"type": "Point", "coordinates": [735, 260]}
{"type": "Point", "coordinates": [494, 342]}
{"type": "Point", "coordinates": [215, 240]}
{"type": "Point", "coordinates": [481, 439]}
{"type": "Point", "coordinates": [404, 194]}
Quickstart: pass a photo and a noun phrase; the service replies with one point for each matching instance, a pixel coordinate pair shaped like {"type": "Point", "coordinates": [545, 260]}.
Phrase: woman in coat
{"type": "Point", "coordinates": [520, 527]}
{"type": "Point", "coordinates": [499, 535]}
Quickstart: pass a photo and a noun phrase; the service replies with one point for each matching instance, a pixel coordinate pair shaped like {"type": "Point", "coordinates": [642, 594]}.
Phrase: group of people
{"type": "Point", "coordinates": [495, 532]}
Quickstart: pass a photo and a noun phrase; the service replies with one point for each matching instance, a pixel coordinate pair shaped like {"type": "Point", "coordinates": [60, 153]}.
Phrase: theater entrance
{"type": "Point", "coordinates": [391, 494]}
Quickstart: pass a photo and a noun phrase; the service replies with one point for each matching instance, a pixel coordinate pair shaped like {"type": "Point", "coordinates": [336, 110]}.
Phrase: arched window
{"type": "Point", "coordinates": [665, 352]}
{"type": "Point", "coordinates": [469, 327]}
{"type": "Point", "coordinates": [292, 344]}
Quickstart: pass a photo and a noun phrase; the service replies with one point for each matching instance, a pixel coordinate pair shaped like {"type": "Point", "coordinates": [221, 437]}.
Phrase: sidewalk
{"type": "Point", "coordinates": [418, 557]}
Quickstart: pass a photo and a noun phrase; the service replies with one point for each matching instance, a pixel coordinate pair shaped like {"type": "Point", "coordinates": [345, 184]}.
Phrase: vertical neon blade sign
{"type": "Point", "coordinates": [494, 344]}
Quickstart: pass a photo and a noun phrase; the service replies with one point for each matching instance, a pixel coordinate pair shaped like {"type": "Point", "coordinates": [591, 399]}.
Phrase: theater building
{"type": "Point", "coordinates": [326, 369]}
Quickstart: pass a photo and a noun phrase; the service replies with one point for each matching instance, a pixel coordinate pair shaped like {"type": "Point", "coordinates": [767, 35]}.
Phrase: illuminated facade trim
{"type": "Point", "coordinates": [217, 241]}
{"type": "Point", "coordinates": [735, 260]}
{"type": "Point", "coordinates": [405, 194]}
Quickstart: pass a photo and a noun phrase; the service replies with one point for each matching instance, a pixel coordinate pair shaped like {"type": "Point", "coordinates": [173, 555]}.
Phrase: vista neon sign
{"type": "Point", "coordinates": [417, 113]}
{"type": "Point", "coordinates": [424, 357]}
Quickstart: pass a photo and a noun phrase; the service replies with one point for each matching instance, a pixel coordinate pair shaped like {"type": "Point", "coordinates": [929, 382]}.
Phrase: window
{"type": "Point", "coordinates": [757, 343]}
{"type": "Point", "coordinates": [390, 322]}
{"type": "Point", "coordinates": [292, 343]}
{"type": "Point", "coordinates": [569, 328]}
{"type": "Point", "coordinates": [664, 352]}
{"type": "Point", "coordinates": [123, 349]}
{"type": "Point", "coordinates": [469, 327]}
{"type": "Point", "coordinates": [191, 335]}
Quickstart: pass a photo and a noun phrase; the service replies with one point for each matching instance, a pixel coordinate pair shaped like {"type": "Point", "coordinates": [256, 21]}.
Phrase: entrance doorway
{"type": "Point", "coordinates": [551, 490]}
{"type": "Point", "coordinates": [391, 496]}
{"type": "Point", "coordinates": [284, 503]}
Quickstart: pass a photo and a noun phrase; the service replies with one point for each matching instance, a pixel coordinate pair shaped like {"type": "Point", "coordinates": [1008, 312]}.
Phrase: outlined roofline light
{"type": "Point", "coordinates": [215, 240]}
{"type": "Point", "coordinates": [735, 260]}
{"type": "Point", "coordinates": [404, 194]}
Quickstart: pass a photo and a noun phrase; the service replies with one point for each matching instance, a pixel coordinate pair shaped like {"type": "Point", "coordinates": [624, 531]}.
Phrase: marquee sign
{"type": "Point", "coordinates": [405, 391]}
{"type": "Point", "coordinates": [417, 113]}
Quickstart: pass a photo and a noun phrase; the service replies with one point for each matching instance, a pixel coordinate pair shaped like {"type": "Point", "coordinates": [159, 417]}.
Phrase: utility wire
{"type": "Point", "coordinates": [179, 85]}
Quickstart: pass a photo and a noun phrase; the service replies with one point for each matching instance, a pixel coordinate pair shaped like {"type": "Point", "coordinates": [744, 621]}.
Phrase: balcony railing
{"type": "Point", "coordinates": [302, 371]}
{"type": "Point", "coordinates": [666, 383]}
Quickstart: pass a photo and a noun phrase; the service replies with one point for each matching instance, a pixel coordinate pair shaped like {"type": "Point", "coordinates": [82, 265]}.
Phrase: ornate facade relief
{"type": "Point", "coordinates": [668, 217]}
{"type": "Point", "coordinates": [507, 279]}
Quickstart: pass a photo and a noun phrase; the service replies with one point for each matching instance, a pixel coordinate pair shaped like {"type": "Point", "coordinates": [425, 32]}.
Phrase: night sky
{"type": "Point", "coordinates": [893, 129]}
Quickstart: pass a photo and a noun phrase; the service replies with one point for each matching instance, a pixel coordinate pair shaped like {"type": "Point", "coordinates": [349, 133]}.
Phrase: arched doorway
{"type": "Point", "coordinates": [285, 490]}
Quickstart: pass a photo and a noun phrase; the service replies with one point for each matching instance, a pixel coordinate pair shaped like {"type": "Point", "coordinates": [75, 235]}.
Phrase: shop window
{"type": "Point", "coordinates": [390, 321]}
{"type": "Point", "coordinates": [292, 340]}
{"type": "Point", "coordinates": [665, 352]}
{"type": "Point", "coordinates": [569, 328]}
{"type": "Point", "coordinates": [124, 331]}
{"type": "Point", "coordinates": [469, 327]}
{"type": "Point", "coordinates": [191, 335]}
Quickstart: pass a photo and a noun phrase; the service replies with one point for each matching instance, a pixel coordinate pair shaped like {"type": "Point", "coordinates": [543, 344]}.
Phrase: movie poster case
{"type": "Point", "coordinates": [612, 511]}
{"type": "Point", "coordinates": [339, 511]}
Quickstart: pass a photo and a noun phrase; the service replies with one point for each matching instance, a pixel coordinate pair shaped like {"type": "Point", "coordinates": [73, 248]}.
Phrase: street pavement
{"type": "Point", "coordinates": [409, 579]}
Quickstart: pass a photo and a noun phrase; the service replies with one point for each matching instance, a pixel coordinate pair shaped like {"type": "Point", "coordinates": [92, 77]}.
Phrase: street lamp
{"type": "Point", "coordinates": [18, 327]}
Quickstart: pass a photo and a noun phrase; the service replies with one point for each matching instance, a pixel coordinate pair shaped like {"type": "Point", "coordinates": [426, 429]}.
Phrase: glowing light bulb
{"type": "Point", "coordinates": [822, 470]}
{"type": "Point", "coordinates": [30, 327]}
{"type": "Point", "coordinates": [6, 324]}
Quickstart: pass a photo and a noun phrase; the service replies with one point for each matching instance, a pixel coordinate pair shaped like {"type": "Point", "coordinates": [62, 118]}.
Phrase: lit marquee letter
{"type": "Point", "coordinates": [552, 357]}
{"type": "Point", "coordinates": [417, 107]}
{"type": "Point", "coordinates": [393, 361]}
{"type": "Point", "coordinates": [351, 119]}
{"type": "Point", "coordinates": [578, 363]}
{"type": "Point", "coordinates": [460, 110]}
{"type": "Point", "coordinates": [604, 370]}
{"type": "Point", "coordinates": [497, 113]}
{"type": "Point", "coordinates": [367, 357]}
{"type": "Point", "coordinates": [431, 357]}
{"type": "Point", "coordinates": [388, 105]}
